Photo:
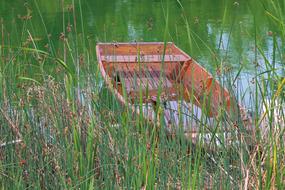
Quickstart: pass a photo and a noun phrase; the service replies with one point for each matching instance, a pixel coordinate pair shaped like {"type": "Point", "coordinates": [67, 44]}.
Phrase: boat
{"type": "Point", "coordinates": [159, 80]}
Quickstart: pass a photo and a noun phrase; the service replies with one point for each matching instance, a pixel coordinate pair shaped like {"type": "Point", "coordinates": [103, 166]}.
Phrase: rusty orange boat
{"type": "Point", "coordinates": [144, 74]}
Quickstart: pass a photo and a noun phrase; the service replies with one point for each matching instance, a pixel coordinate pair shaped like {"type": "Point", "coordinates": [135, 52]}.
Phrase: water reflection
{"type": "Point", "coordinates": [223, 29]}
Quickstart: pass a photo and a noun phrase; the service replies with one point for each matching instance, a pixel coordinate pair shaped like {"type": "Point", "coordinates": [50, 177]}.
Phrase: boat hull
{"type": "Point", "coordinates": [159, 80]}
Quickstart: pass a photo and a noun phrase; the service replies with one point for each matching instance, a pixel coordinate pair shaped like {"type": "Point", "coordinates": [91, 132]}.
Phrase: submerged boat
{"type": "Point", "coordinates": [148, 75]}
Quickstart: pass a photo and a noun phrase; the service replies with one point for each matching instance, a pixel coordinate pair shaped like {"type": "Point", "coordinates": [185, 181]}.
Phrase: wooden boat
{"type": "Point", "coordinates": [145, 74]}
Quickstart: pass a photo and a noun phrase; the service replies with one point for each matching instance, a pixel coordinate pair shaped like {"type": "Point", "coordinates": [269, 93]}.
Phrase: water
{"type": "Point", "coordinates": [224, 27]}
{"type": "Point", "coordinates": [220, 31]}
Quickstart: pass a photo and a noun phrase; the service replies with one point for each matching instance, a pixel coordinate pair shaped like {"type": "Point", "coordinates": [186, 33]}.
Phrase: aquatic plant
{"type": "Point", "coordinates": [61, 128]}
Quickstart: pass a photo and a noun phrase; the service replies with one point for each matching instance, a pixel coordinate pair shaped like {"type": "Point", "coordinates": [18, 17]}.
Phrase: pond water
{"type": "Point", "coordinates": [224, 29]}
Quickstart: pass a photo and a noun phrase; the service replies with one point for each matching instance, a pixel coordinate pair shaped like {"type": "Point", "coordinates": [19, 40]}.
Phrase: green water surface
{"type": "Point", "coordinates": [215, 32]}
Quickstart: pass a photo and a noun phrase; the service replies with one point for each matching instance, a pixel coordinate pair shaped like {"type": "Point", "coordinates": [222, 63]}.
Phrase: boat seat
{"type": "Point", "coordinates": [149, 58]}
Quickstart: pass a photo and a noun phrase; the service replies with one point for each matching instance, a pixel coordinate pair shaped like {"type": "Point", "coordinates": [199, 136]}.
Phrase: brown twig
{"type": "Point", "coordinates": [13, 127]}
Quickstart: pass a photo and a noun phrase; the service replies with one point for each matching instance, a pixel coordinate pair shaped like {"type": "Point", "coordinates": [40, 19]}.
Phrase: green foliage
{"type": "Point", "coordinates": [61, 128]}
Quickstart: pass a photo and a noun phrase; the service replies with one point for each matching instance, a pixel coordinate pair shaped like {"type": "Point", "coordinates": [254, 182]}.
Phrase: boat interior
{"type": "Point", "coordinates": [148, 72]}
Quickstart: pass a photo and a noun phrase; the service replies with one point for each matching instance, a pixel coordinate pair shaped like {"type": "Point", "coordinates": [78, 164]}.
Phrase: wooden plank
{"type": "Point", "coordinates": [127, 81]}
{"type": "Point", "coordinates": [150, 81]}
{"type": "Point", "coordinates": [169, 66]}
{"type": "Point", "coordinates": [153, 77]}
{"type": "Point", "coordinates": [144, 77]}
{"type": "Point", "coordinates": [132, 49]}
{"type": "Point", "coordinates": [141, 82]}
{"type": "Point", "coordinates": [165, 83]}
{"type": "Point", "coordinates": [132, 79]}
{"type": "Point", "coordinates": [143, 58]}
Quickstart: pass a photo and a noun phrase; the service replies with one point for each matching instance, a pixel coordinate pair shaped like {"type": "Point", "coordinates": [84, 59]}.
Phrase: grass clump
{"type": "Point", "coordinates": [60, 127]}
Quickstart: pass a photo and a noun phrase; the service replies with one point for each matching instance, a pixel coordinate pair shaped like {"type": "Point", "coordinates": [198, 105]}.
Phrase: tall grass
{"type": "Point", "coordinates": [62, 129]}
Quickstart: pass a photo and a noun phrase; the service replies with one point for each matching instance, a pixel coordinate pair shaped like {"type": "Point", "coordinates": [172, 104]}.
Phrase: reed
{"type": "Point", "coordinates": [61, 128]}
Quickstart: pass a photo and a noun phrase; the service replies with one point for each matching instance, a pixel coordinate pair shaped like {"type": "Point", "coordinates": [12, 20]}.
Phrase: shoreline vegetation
{"type": "Point", "coordinates": [60, 128]}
